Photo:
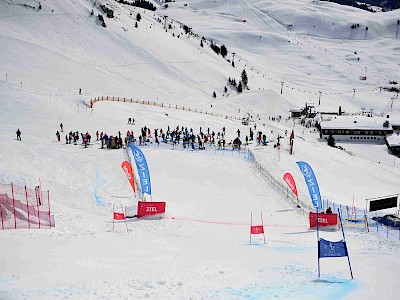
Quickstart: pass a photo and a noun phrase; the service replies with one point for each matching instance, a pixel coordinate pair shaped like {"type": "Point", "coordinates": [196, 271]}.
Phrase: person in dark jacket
{"type": "Point", "coordinates": [18, 135]}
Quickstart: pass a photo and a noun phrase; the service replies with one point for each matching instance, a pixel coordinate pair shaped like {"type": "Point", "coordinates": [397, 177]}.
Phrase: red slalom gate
{"type": "Point", "coordinates": [119, 216]}
{"type": "Point", "coordinates": [327, 221]}
{"type": "Point", "coordinates": [151, 209]}
{"type": "Point", "coordinates": [256, 229]}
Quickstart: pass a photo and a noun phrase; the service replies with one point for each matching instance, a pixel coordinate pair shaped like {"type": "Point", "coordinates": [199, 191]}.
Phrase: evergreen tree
{"type": "Point", "coordinates": [244, 77]}
{"type": "Point", "coordinates": [186, 29]}
{"type": "Point", "coordinates": [136, 25]}
{"type": "Point", "coordinates": [201, 43]}
{"type": "Point", "coordinates": [224, 51]}
{"type": "Point", "coordinates": [138, 17]}
{"type": "Point", "coordinates": [225, 89]}
{"type": "Point", "coordinates": [214, 95]}
{"type": "Point", "coordinates": [239, 88]}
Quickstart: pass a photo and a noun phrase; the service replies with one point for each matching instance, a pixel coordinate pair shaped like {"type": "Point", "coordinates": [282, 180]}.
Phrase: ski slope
{"type": "Point", "coordinates": [201, 249]}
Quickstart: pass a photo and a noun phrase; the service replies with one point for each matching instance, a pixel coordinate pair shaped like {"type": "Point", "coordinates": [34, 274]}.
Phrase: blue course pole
{"type": "Point", "coordinates": [319, 272]}
{"type": "Point", "coordinates": [344, 240]}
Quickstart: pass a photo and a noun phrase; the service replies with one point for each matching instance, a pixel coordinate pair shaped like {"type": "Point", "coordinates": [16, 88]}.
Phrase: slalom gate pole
{"type": "Point", "coordinates": [40, 189]}
{"type": "Point", "coordinates": [27, 206]}
{"type": "Point", "coordinates": [113, 217]}
{"type": "Point", "coordinates": [262, 223]}
{"type": "Point", "coordinates": [126, 225]}
{"type": "Point", "coordinates": [37, 205]}
{"type": "Point", "coordinates": [48, 200]}
{"type": "Point", "coordinates": [15, 219]}
{"type": "Point", "coordinates": [251, 224]}
{"type": "Point", "coordinates": [344, 240]}
{"type": "Point", "coordinates": [319, 267]}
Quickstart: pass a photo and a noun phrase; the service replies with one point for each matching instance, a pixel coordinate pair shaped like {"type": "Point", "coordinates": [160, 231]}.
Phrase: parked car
{"type": "Point", "coordinates": [389, 220]}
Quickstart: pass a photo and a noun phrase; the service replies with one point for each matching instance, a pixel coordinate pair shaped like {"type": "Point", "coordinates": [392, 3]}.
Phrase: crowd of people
{"type": "Point", "coordinates": [179, 135]}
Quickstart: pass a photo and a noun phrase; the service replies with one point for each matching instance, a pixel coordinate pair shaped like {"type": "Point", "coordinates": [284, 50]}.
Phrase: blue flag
{"type": "Point", "coordinates": [312, 184]}
{"type": "Point", "coordinates": [331, 249]}
{"type": "Point", "coordinates": [143, 169]}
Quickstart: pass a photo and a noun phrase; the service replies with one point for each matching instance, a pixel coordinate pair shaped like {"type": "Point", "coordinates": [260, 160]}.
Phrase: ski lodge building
{"type": "Point", "coordinates": [356, 129]}
{"type": "Point", "coordinates": [393, 143]}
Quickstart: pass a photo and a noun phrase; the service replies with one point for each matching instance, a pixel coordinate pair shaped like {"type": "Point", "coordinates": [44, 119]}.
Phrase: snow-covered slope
{"type": "Point", "coordinates": [201, 249]}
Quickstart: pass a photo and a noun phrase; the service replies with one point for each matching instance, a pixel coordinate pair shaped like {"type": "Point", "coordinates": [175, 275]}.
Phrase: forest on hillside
{"type": "Point", "coordinates": [370, 5]}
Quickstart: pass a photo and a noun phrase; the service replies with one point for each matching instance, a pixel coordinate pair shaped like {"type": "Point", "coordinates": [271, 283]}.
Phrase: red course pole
{"type": "Point", "coordinates": [125, 219]}
{"type": "Point", "coordinates": [27, 207]}
{"type": "Point", "coordinates": [48, 200]}
{"type": "Point", "coordinates": [37, 205]}
{"type": "Point", "coordinates": [1, 215]}
{"type": "Point", "coordinates": [251, 224]}
{"type": "Point", "coordinates": [15, 219]}
{"type": "Point", "coordinates": [113, 217]}
{"type": "Point", "coordinates": [262, 223]}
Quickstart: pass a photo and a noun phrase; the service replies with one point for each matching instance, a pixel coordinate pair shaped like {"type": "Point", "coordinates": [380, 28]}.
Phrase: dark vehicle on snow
{"type": "Point", "coordinates": [388, 220]}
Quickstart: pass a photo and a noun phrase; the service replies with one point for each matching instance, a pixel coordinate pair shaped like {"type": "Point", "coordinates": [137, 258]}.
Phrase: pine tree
{"type": "Point", "coordinates": [201, 43]}
{"type": "Point", "coordinates": [214, 95]}
{"type": "Point", "coordinates": [244, 77]}
{"type": "Point", "coordinates": [225, 89]}
{"type": "Point", "coordinates": [224, 51]}
{"type": "Point", "coordinates": [138, 17]}
{"type": "Point", "coordinates": [239, 88]}
{"type": "Point", "coordinates": [136, 25]}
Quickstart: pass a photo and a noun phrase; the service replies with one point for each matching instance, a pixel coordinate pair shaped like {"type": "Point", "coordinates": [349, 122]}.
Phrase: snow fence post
{"type": "Point", "coordinates": [27, 207]}
{"type": "Point", "coordinates": [1, 215]}
{"type": "Point", "coordinates": [48, 201]}
{"type": "Point", "coordinates": [12, 191]}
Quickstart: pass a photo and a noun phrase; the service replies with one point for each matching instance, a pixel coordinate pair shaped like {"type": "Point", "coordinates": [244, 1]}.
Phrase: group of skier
{"type": "Point", "coordinates": [185, 136]}
{"type": "Point", "coordinates": [175, 136]}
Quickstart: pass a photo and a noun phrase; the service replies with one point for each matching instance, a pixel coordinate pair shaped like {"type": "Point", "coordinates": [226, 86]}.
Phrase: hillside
{"type": "Point", "coordinates": [292, 51]}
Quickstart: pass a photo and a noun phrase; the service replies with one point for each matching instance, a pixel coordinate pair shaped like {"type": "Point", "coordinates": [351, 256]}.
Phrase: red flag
{"type": "Point", "coordinates": [119, 216]}
{"type": "Point", "coordinates": [126, 166]}
{"type": "Point", "coordinates": [259, 229]}
{"type": "Point", "coordinates": [290, 182]}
